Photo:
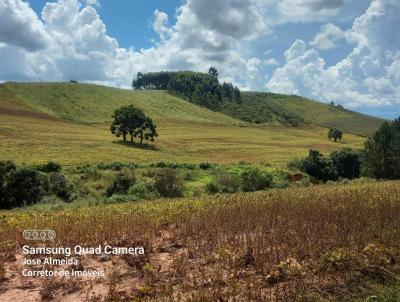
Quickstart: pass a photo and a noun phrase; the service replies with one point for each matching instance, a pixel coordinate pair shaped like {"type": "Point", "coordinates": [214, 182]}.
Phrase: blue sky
{"type": "Point", "coordinates": [128, 21]}
{"type": "Point", "coordinates": [345, 51]}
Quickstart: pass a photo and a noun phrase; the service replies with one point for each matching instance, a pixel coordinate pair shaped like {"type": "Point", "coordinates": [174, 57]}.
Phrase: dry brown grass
{"type": "Point", "coordinates": [280, 245]}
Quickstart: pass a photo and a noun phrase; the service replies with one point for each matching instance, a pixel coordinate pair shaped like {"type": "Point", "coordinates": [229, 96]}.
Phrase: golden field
{"type": "Point", "coordinates": [323, 243]}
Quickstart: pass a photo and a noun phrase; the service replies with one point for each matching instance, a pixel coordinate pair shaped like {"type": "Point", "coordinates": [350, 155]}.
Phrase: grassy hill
{"type": "Point", "coordinates": [69, 123]}
{"type": "Point", "coordinates": [87, 103]}
{"type": "Point", "coordinates": [292, 110]}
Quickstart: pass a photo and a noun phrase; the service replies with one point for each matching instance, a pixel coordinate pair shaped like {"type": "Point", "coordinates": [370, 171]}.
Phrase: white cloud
{"type": "Point", "coordinates": [367, 77]}
{"type": "Point", "coordinates": [242, 19]}
{"type": "Point", "coordinates": [160, 24]}
{"type": "Point", "coordinates": [80, 49]}
{"type": "Point", "coordinates": [93, 2]}
{"type": "Point", "coordinates": [74, 44]}
{"type": "Point", "coordinates": [306, 10]}
{"type": "Point", "coordinates": [327, 37]}
{"type": "Point", "coordinates": [20, 26]}
{"type": "Point", "coordinates": [271, 62]}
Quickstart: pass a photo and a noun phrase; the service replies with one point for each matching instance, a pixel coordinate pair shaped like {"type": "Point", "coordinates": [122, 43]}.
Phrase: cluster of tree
{"type": "Point", "coordinates": [335, 134]}
{"type": "Point", "coordinates": [200, 88]}
{"type": "Point", "coordinates": [339, 164]}
{"type": "Point", "coordinates": [379, 159]}
{"type": "Point", "coordinates": [338, 105]}
{"type": "Point", "coordinates": [28, 185]}
{"type": "Point", "coordinates": [381, 155]}
{"type": "Point", "coordinates": [129, 120]}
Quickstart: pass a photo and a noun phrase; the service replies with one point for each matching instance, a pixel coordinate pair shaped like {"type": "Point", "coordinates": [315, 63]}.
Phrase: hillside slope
{"type": "Point", "coordinates": [70, 124]}
{"type": "Point", "coordinates": [292, 110]}
{"type": "Point", "coordinates": [87, 103]}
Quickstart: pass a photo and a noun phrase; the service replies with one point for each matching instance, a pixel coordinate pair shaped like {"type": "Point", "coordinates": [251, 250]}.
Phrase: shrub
{"type": "Point", "coordinates": [341, 259]}
{"type": "Point", "coordinates": [280, 179]}
{"type": "Point", "coordinates": [161, 164]}
{"type": "Point", "coordinates": [255, 179]}
{"type": "Point", "coordinates": [212, 188]}
{"type": "Point", "coordinates": [206, 166]}
{"type": "Point", "coordinates": [149, 173]}
{"type": "Point", "coordinates": [5, 168]}
{"type": "Point", "coordinates": [23, 186]}
{"type": "Point", "coordinates": [50, 167]}
{"type": "Point", "coordinates": [88, 172]}
{"type": "Point", "coordinates": [226, 182]}
{"type": "Point", "coordinates": [188, 166]}
{"type": "Point", "coordinates": [117, 198]}
{"type": "Point", "coordinates": [346, 162]}
{"type": "Point", "coordinates": [120, 185]}
{"type": "Point", "coordinates": [295, 164]}
{"type": "Point", "coordinates": [143, 190]}
{"type": "Point", "coordinates": [116, 166]}
{"type": "Point", "coordinates": [189, 175]}
{"type": "Point", "coordinates": [173, 166]}
{"type": "Point", "coordinates": [318, 166]}
{"type": "Point", "coordinates": [169, 183]}
{"type": "Point", "coordinates": [304, 182]}
{"type": "Point", "coordinates": [60, 186]}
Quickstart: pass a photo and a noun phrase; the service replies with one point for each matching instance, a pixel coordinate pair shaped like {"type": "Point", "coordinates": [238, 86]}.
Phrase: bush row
{"type": "Point", "coordinates": [250, 180]}
{"type": "Point", "coordinates": [338, 165]}
{"type": "Point", "coordinates": [167, 183]}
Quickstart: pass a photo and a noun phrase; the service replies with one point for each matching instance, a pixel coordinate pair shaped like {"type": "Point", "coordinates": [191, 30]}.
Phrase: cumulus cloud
{"type": "Point", "coordinates": [366, 77]}
{"type": "Point", "coordinates": [74, 44]}
{"type": "Point", "coordinates": [93, 2]}
{"type": "Point", "coordinates": [241, 18]}
{"type": "Point", "coordinates": [327, 37]}
{"type": "Point", "coordinates": [79, 47]}
{"type": "Point", "coordinates": [307, 10]}
{"type": "Point", "coordinates": [160, 24]}
{"type": "Point", "coordinates": [271, 62]}
{"type": "Point", "coordinates": [20, 26]}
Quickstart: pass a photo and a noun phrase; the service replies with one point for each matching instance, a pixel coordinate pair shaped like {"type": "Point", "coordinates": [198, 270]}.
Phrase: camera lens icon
{"type": "Point", "coordinates": [51, 234]}
{"type": "Point", "coordinates": [27, 234]}
{"type": "Point", "coordinates": [39, 234]}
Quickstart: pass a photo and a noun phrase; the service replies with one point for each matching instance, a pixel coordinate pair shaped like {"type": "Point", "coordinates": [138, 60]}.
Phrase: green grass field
{"type": "Point", "coordinates": [90, 104]}
{"type": "Point", "coordinates": [269, 107]}
{"type": "Point", "coordinates": [69, 123]}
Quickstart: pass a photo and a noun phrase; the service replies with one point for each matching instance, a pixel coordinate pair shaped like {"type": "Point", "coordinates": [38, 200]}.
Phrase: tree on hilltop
{"type": "Point", "coordinates": [132, 121]}
{"type": "Point", "coordinates": [213, 73]}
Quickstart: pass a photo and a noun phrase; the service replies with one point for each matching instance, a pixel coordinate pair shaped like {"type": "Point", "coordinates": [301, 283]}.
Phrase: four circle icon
{"type": "Point", "coordinates": [39, 234]}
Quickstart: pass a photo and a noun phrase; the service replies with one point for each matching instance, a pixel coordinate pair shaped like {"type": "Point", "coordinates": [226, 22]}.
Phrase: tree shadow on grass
{"type": "Point", "coordinates": [144, 146]}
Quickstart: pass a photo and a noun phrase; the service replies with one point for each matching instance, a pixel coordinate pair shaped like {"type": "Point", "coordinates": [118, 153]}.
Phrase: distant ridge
{"type": "Point", "coordinates": [292, 110]}
{"type": "Point", "coordinates": [87, 103]}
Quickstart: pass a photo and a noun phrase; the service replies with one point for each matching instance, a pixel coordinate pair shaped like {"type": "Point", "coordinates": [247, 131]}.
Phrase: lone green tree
{"type": "Point", "coordinates": [335, 134]}
{"type": "Point", "coordinates": [381, 155]}
{"type": "Point", "coordinates": [129, 120]}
